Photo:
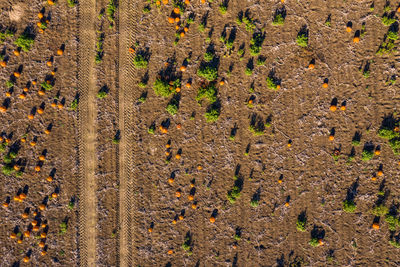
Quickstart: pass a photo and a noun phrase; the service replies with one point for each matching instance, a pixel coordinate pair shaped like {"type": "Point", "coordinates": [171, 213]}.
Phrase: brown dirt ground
{"type": "Point", "coordinates": [300, 112]}
{"type": "Point", "coordinates": [313, 181]}
{"type": "Point", "coordinates": [61, 144]}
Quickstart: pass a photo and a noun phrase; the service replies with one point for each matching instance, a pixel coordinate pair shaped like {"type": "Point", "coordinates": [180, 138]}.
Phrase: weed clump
{"type": "Point", "coordinates": [380, 210]}
{"type": "Point", "coordinates": [302, 40]}
{"type": "Point", "coordinates": [279, 19]}
{"type": "Point", "coordinates": [212, 113]}
{"type": "Point", "coordinates": [110, 11]}
{"type": "Point", "coordinates": [208, 72]}
{"type": "Point", "coordinates": [25, 42]}
{"type": "Point", "coordinates": [256, 43]}
{"type": "Point", "coordinates": [272, 83]}
{"type": "Point", "coordinates": [367, 155]}
{"type": "Point", "coordinates": [46, 86]}
{"type": "Point", "coordinates": [301, 222]}
{"type": "Point", "coordinates": [392, 133]}
{"type": "Point", "coordinates": [140, 61]}
{"type": "Point", "coordinates": [349, 206]}
{"type": "Point", "coordinates": [209, 92]}
{"type": "Point", "coordinates": [165, 88]}
{"type": "Point", "coordinates": [172, 106]}
{"type": "Point", "coordinates": [233, 194]}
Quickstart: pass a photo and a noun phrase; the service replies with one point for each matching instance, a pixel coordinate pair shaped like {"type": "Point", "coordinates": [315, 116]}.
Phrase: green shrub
{"type": "Point", "coordinates": [278, 20]}
{"type": "Point", "coordinates": [386, 47]}
{"type": "Point", "coordinates": [391, 35]}
{"type": "Point", "coordinates": [336, 155]}
{"type": "Point", "coordinates": [248, 71]}
{"type": "Point", "coordinates": [3, 147]}
{"type": "Point", "coordinates": [187, 245]}
{"type": "Point", "coordinates": [212, 114]}
{"type": "Point", "coordinates": [209, 73]}
{"type": "Point", "coordinates": [115, 141]}
{"type": "Point", "coordinates": [209, 56]}
{"type": "Point", "coordinates": [222, 38]}
{"type": "Point", "coordinates": [172, 108]}
{"type": "Point", "coordinates": [314, 242]}
{"type": "Point", "coordinates": [140, 61]}
{"type": "Point", "coordinates": [63, 228]}
{"type": "Point", "coordinates": [146, 9]}
{"type": "Point", "coordinates": [387, 21]}
{"type": "Point", "coordinates": [142, 99]}
{"type": "Point", "coordinates": [367, 155]}
{"type": "Point", "coordinates": [256, 130]}
{"type": "Point", "coordinates": [162, 88]}
{"type": "Point", "coordinates": [151, 129]}
{"type": "Point", "coordinates": [234, 194]}
{"type": "Point", "coordinates": [101, 94]}
{"type": "Point", "coordinates": [142, 84]}
{"type": "Point", "coordinates": [249, 23]}
{"type": "Point", "coordinates": [380, 210]}
{"type": "Point", "coordinates": [386, 8]}
{"type": "Point", "coordinates": [7, 159]}
{"type": "Point", "coordinates": [328, 22]}
{"type": "Point", "coordinates": [254, 203]}
{"type": "Point", "coordinates": [237, 237]}
{"type": "Point", "coordinates": [355, 142]}
{"type": "Point", "coordinates": [387, 133]}
{"type": "Point", "coordinates": [74, 104]}
{"type": "Point", "coordinates": [229, 44]}
{"type": "Point", "coordinates": [302, 40]}
{"type": "Point", "coordinates": [260, 61]}
{"type": "Point", "coordinates": [98, 58]}
{"type": "Point", "coordinates": [71, 205]}
{"type": "Point", "coordinates": [7, 170]}
{"type": "Point", "coordinates": [5, 34]}
{"type": "Point", "coordinates": [349, 206]}
{"type": "Point", "coordinates": [240, 52]}
{"type": "Point", "coordinates": [396, 244]}
{"type": "Point", "coordinates": [43, 25]}
{"type": "Point", "coordinates": [46, 86]}
{"type": "Point", "coordinates": [25, 42]}
{"type": "Point", "coordinates": [223, 8]}
{"type": "Point", "coordinates": [239, 21]}
{"type": "Point", "coordinates": [301, 225]}
{"type": "Point", "coordinates": [392, 221]}
{"type": "Point", "coordinates": [72, 3]}
{"type": "Point", "coordinates": [256, 43]}
{"type": "Point", "coordinates": [111, 9]}
{"type": "Point", "coordinates": [271, 84]}
{"type": "Point", "coordinates": [201, 27]}
{"type": "Point", "coordinates": [9, 84]}
{"type": "Point", "coordinates": [395, 145]}
{"type": "Point", "coordinates": [209, 92]}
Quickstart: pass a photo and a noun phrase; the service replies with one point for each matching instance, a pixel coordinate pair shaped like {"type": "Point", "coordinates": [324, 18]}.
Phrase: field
{"type": "Point", "coordinates": [200, 133]}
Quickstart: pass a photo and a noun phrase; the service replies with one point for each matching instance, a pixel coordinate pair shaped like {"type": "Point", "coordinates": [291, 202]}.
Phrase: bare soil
{"type": "Point", "coordinates": [312, 180]}
{"type": "Point", "coordinates": [60, 144]}
{"type": "Point", "coordinates": [117, 173]}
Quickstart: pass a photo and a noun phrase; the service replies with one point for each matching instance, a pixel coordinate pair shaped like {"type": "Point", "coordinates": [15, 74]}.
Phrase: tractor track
{"type": "Point", "coordinates": [87, 134]}
{"type": "Point", "coordinates": [127, 27]}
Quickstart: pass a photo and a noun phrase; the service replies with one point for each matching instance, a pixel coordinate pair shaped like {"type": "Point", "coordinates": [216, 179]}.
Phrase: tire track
{"type": "Point", "coordinates": [127, 26]}
{"type": "Point", "coordinates": [87, 134]}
